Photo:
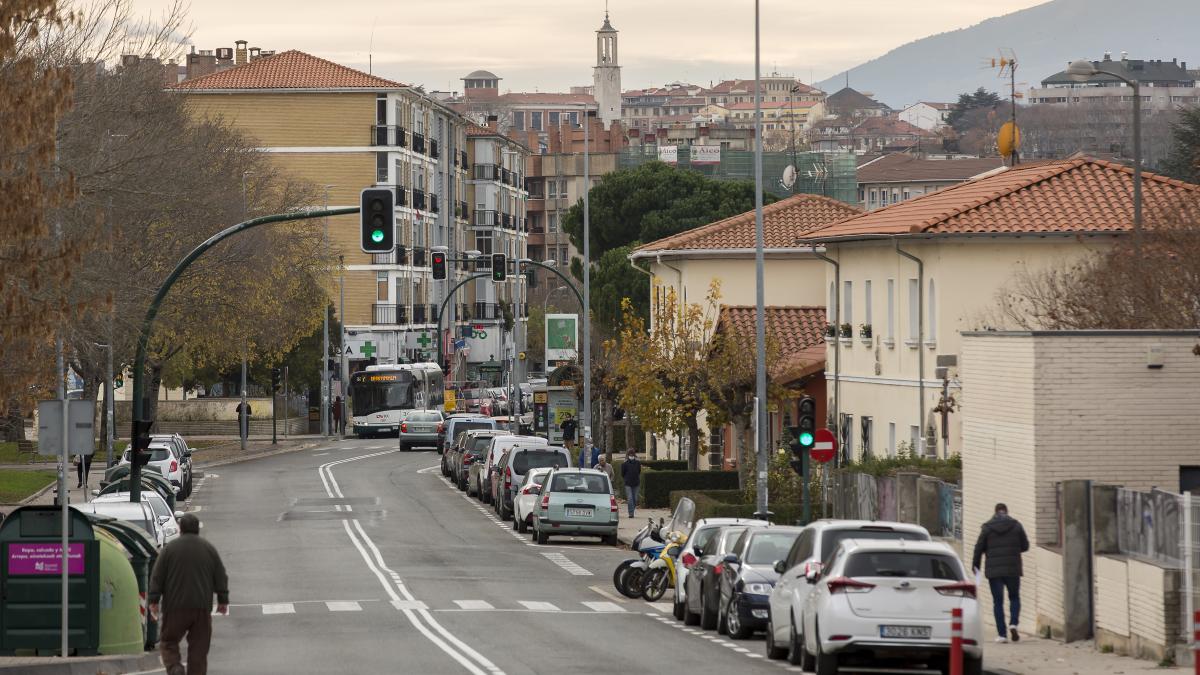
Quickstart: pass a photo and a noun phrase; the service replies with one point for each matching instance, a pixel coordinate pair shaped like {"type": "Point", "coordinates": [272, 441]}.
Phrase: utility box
{"type": "Point", "coordinates": [31, 582]}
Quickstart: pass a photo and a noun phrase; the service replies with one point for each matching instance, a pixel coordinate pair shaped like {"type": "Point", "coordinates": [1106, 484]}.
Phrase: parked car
{"type": "Point", "coordinates": [457, 426]}
{"type": "Point", "coordinates": [818, 542]}
{"type": "Point", "coordinates": [494, 401]}
{"type": "Point", "coordinates": [513, 465]}
{"type": "Point", "coordinates": [481, 472]}
{"type": "Point", "coordinates": [702, 583]}
{"type": "Point", "coordinates": [526, 499]}
{"type": "Point", "coordinates": [704, 534]}
{"type": "Point", "coordinates": [888, 604]}
{"type": "Point", "coordinates": [164, 460]}
{"type": "Point", "coordinates": [576, 502]}
{"type": "Point", "coordinates": [446, 432]}
{"type": "Point", "coordinates": [473, 446]}
{"type": "Point", "coordinates": [471, 397]}
{"type": "Point", "coordinates": [184, 453]}
{"type": "Point", "coordinates": [140, 514]}
{"type": "Point", "coordinates": [168, 520]}
{"type": "Point", "coordinates": [749, 577]}
{"type": "Point", "coordinates": [420, 428]}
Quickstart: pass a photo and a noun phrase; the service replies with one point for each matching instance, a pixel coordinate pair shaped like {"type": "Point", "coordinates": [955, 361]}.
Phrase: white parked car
{"type": "Point", "coordinates": [163, 460]}
{"type": "Point", "coordinates": [817, 542]}
{"type": "Point", "coordinates": [141, 515]}
{"type": "Point", "coordinates": [167, 520]}
{"type": "Point", "coordinates": [525, 502]}
{"type": "Point", "coordinates": [887, 604]}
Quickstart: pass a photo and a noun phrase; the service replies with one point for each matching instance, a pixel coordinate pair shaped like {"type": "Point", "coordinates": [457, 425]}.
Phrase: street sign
{"type": "Point", "coordinates": [824, 446]}
{"type": "Point", "coordinates": [80, 437]}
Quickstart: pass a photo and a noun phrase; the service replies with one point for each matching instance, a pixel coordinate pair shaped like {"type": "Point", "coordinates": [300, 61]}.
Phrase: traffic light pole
{"type": "Point", "coordinates": [139, 362]}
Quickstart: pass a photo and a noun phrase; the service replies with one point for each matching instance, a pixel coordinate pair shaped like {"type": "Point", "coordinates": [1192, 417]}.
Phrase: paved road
{"type": "Point", "coordinates": [357, 558]}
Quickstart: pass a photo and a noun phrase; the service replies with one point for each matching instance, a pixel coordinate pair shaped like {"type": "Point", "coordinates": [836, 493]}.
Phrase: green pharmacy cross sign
{"type": "Point", "coordinates": [424, 340]}
{"type": "Point", "coordinates": [367, 350]}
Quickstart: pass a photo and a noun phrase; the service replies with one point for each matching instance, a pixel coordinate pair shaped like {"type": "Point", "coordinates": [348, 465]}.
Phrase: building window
{"type": "Point", "coordinates": [891, 439]}
{"type": "Point", "coordinates": [552, 189]}
{"type": "Point", "coordinates": [519, 120]}
{"type": "Point", "coordinates": [535, 120]}
{"type": "Point", "coordinates": [914, 438]}
{"type": "Point", "coordinates": [833, 307]}
{"type": "Point", "coordinates": [914, 310]}
{"type": "Point", "coordinates": [574, 119]}
{"type": "Point", "coordinates": [867, 302]}
{"type": "Point", "coordinates": [891, 309]}
{"type": "Point", "coordinates": [381, 286]}
{"type": "Point", "coordinates": [483, 242]}
{"type": "Point", "coordinates": [553, 120]}
{"type": "Point", "coordinates": [381, 167]}
{"type": "Point", "coordinates": [552, 222]}
{"type": "Point", "coordinates": [848, 302]}
{"type": "Point", "coordinates": [847, 437]}
{"type": "Point", "coordinates": [931, 312]}
{"type": "Point", "coordinates": [867, 425]}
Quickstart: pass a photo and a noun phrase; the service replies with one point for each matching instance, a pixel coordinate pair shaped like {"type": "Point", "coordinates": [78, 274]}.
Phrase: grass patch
{"type": "Point", "coordinates": [9, 455]}
{"type": "Point", "coordinates": [16, 485]}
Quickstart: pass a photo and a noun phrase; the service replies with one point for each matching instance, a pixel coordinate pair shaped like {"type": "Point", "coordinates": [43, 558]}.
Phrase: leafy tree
{"type": "Point", "coordinates": [1183, 162]}
{"type": "Point", "coordinates": [612, 282]}
{"type": "Point", "coordinates": [979, 99]}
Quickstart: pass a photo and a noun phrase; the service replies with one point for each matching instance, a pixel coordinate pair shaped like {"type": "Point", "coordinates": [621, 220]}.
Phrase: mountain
{"type": "Point", "coordinates": [1044, 38]}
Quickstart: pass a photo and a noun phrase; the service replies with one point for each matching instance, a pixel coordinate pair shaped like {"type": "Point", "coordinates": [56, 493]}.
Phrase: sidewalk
{"type": "Point", "coordinates": [1038, 656]}
{"type": "Point", "coordinates": [628, 527]}
{"type": "Point", "coordinates": [83, 665]}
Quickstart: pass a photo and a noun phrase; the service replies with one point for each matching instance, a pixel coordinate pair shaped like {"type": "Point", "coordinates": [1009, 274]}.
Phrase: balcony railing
{"type": "Point", "coordinates": [424, 313]}
{"type": "Point", "coordinates": [418, 257]}
{"type": "Point", "coordinates": [418, 143]}
{"type": "Point", "coordinates": [506, 220]}
{"type": "Point", "coordinates": [486, 172]}
{"type": "Point", "coordinates": [418, 201]}
{"type": "Point", "coordinates": [486, 218]}
{"type": "Point", "coordinates": [464, 312]}
{"type": "Point", "coordinates": [463, 158]}
{"type": "Point", "coordinates": [433, 203]}
{"type": "Point", "coordinates": [385, 314]}
{"type": "Point", "coordinates": [433, 149]}
{"type": "Point", "coordinates": [506, 176]}
{"type": "Point", "coordinates": [387, 135]}
{"type": "Point", "coordinates": [487, 310]}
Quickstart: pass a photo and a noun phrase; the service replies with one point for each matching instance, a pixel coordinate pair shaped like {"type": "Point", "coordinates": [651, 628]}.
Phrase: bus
{"type": "Point", "coordinates": [380, 394]}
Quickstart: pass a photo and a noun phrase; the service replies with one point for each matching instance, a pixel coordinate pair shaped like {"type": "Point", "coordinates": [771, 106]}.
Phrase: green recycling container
{"type": "Point", "coordinates": [120, 617]}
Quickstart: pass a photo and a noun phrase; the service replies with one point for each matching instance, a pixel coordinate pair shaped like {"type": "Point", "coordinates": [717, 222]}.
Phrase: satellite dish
{"type": "Point", "coordinates": [789, 177]}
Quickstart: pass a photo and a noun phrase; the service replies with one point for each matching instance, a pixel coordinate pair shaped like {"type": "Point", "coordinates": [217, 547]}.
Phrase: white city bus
{"type": "Point", "coordinates": [380, 394]}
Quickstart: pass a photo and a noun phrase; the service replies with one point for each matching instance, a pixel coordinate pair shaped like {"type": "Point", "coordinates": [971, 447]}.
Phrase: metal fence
{"type": "Point", "coordinates": [906, 498]}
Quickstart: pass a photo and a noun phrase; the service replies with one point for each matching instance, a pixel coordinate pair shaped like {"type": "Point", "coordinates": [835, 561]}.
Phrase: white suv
{"type": "Point", "coordinates": [888, 603]}
{"type": "Point", "coordinates": [164, 460]}
{"type": "Point", "coordinates": [817, 542]}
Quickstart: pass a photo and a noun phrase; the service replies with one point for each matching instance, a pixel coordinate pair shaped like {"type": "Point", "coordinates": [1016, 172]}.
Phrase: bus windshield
{"type": "Point", "coordinates": [373, 392]}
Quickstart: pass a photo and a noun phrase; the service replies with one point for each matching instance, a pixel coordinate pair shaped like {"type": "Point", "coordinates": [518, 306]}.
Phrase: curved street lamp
{"type": "Point", "coordinates": [1082, 71]}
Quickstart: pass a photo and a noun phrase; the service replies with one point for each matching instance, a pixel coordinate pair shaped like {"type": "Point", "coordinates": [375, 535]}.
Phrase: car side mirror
{"type": "Point", "coordinates": [731, 559]}
{"type": "Point", "coordinates": [811, 576]}
{"type": "Point", "coordinates": [780, 566]}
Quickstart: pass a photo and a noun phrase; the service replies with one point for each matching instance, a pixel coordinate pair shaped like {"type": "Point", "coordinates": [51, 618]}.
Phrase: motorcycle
{"type": "Point", "coordinates": [661, 572]}
{"type": "Point", "coordinates": [627, 578]}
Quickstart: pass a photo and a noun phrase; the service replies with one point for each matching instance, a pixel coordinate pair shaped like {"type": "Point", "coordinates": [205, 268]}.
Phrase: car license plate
{"type": "Point", "coordinates": [907, 632]}
{"type": "Point", "coordinates": [584, 512]}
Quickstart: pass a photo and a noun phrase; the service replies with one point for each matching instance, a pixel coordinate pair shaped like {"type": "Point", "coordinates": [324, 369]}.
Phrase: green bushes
{"type": "Point", "coordinates": [948, 470]}
{"type": "Point", "coordinates": [665, 464]}
{"type": "Point", "coordinates": [729, 504]}
{"type": "Point", "coordinates": [658, 485]}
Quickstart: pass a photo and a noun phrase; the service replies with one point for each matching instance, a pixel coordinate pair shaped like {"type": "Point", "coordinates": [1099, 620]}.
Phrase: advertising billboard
{"type": "Point", "coordinates": [562, 337]}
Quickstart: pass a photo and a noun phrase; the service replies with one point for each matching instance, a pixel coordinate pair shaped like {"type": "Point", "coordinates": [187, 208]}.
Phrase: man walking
{"type": "Point", "coordinates": [568, 426]}
{"type": "Point", "coordinates": [186, 575]}
{"type": "Point", "coordinates": [1003, 540]}
{"type": "Point", "coordinates": [631, 473]}
{"type": "Point", "coordinates": [339, 422]}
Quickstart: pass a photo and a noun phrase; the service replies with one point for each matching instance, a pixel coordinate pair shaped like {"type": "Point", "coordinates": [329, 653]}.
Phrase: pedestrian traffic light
{"type": "Point", "coordinates": [275, 374]}
{"type": "Point", "coordinates": [499, 267]}
{"type": "Point", "coordinates": [377, 218]}
{"type": "Point", "coordinates": [439, 265]}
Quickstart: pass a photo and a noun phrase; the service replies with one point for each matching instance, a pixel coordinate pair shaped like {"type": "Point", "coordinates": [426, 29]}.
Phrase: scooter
{"type": "Point", "coordinates": [661, 573]}
{"type": "Point", "coordinates": [627, 578]}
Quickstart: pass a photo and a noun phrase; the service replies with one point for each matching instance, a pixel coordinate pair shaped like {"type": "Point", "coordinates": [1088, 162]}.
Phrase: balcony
{"type": "Point", "coordinates": [463, 211]}
{"type": "Point", "coordinates": [506, 177]}
{"type": "Point", "coordinates": [506, 221]}
{"type": "Point", "coordinates": [418, 143]}
{"type": "Point", "coordinates": [487, 310]}
{"type": "Point", "coordinates": [486, 172]}
{"type": "Point", "coordinates": [418, 201]}
{"type": "Point", "coordinates": [486, 218]}
{"type": "Point", "coordinates": [386, 135]}
{"type": "Point", "coordinates": [463, 159]}
{"type": "Point", "coordinates": [389, 315]}
{"type": "Point", "coordinates": [425, 313]}
{"type": "Point", "coordinates": [433, 149]}
{"type": "Point", "coordinates": [464, 312]}
{"type": "Point", "coordinates": [433, 203]}
{"type": "Point", "coordinates": [418, 257]}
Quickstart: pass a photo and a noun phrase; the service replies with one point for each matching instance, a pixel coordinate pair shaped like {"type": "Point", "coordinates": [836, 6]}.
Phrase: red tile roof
{"type": "Point", "coordinates": [889, 126]}
{"type": "Point", "coordinates": [1072, 195]}
{"type": "Point", "coordinates": [288, 70]}
{"type": "Point", "coordinates": [898, 167]}
{"type": "Point", "coordinates": [799, 332]}
{"type": "Point", "coordinates": [783, 222]}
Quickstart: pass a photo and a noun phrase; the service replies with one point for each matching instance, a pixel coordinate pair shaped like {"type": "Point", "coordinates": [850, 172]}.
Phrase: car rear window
{"type": "Point", "coordinates": [730, 538]}
{"type": "Point", "coordinates": [462, 427]}
{"type": "Point", "coordinates": [536, 459]}
{"type": "Point", "coordinates": [703, 536]}
{"type": "Point", "coordinates": [156, 454]}
{"type": "Point", "coordinates": [480, 445]}
{"type": "Point", "coordinates": [832, 538]}
{"type": "Point", "coordinates": [581, 483]}
{"type": "Point", "coordinates": [424, 417]}
{"type": "Point", "coordinates": [767, 547]}
{"type": "Point", "coordinates": [903, 564]}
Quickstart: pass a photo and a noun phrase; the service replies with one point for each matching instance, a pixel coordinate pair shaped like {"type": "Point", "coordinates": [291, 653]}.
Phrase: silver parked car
{"type": "Point", "coordinates": [420, 428]}
{"type": "Point", "coordinates": [576, 502]}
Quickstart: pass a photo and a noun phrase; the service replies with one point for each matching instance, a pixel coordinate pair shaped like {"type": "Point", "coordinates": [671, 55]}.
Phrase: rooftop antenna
{"type": "Point", "coordinates": [1010, 137]}
{"type": "Point", "coordinates": [371, 45]}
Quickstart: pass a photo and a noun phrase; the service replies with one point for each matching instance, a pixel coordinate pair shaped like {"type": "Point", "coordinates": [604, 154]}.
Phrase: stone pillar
{"type": "Point", "coordinates": [1077, 560]}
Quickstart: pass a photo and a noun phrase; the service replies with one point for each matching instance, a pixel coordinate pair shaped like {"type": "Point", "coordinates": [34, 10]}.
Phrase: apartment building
{"type": "Point", "coordinates": [927, 115]}
{"type": "Point", "coordinates": [897, 177]}
{"type": "Point", "coordinates": [344, 130]}
{"type": "Point", "coordinates": [1164, 85]}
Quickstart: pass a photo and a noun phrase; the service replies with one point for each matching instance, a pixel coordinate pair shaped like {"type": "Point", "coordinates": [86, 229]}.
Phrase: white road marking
{"type": "Point", "coordinates": [430, 469]}
{"type": "Point", "coordinates": [473, 604]}
{"type": "Point", "coordinates": [279, 608]}
{"type": "Point", "coordinates": [320, 454]}
{"type": "Point", "coordinates": [606, 594]}
{"type": "Point", "coordinates": [409, 604]}
{"type": "Point", "coordinates": [604, 606]}
{"type": "Point", "coordinates": [663, 607]}
{"type": "Point", "coordinates": [538, 606]}
{"type": "Point", "coordinates": [343, 606]}
{"type": "Point", "coordinates": [565, 563]}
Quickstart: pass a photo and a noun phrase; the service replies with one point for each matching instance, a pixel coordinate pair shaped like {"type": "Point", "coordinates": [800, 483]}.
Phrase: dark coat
{"type": "Point", "coordinates": [187, 574]}
{"type": "Point", "coordinates": [631, 472]}
{"type": "Point", "coordinates": [1003, 540]}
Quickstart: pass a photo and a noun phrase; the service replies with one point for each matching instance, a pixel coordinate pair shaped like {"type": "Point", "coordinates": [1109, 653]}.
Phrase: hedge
{"type": "Point", "coordinates": [713, 504]}
{"type": "Point", "coordinates": [658, 485]}
{"type": "Point", "coordinates": [665, 464]}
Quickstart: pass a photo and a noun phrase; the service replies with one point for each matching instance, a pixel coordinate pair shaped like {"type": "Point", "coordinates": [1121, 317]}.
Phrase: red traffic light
{"type": "Point", "coordinates": [438, 260]}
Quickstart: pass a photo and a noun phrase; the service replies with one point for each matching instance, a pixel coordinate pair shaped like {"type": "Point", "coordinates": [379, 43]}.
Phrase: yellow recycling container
{"type": "Point", "coordinates": [120, 603]}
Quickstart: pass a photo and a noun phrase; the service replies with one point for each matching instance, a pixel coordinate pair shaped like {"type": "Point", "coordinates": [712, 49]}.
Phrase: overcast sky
{"type": "Point", "coordinates": [544, 45]}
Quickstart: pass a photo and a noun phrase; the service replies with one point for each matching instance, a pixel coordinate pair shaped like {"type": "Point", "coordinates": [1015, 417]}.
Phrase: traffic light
{"type": "Point", "coordinates": [275, 375]}
{"type": "Point", "coordinates": [499, 267]}
{"type": "Point", "coordinates": [439, 265]}
{"type": "Point", "coordinates": [807, 423]}
{"type": "Point", "coordinates": [377, 218]}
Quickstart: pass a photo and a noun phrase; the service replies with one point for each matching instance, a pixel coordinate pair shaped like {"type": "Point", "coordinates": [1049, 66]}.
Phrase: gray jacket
{"type": "Point", "coordinates": [1003, 540]}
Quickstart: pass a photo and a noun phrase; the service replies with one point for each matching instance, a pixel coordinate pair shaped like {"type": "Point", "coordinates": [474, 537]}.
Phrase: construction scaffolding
{"type": "Point", "coordinates": [829, 174]}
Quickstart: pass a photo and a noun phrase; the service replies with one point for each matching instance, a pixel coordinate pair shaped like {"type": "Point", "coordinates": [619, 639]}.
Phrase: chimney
{"type": "Point", "coordinates": [254, 53]}
{"type": "Point", "coordinates": [1124, 56]}
{"type": "Point", "coordinates": [1108, 56]}
{"type": "Point", "coordinates": [239, 52]}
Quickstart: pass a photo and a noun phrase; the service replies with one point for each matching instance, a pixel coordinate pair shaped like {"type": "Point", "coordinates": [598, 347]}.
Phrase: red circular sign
{"type": "Point", "coordinates": [824, 446]}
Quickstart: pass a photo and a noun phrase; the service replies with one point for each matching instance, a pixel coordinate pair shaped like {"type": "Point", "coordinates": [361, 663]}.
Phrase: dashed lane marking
{"type": "Point", "coordinates": [279, 608]}
{"type": "Point", "coordinates": [343, 606]}
{"type": "Point", "coordinates": [474, 604]}
{"type": "Point", "coordinates": [605, 594]}
{"type": "Point", "coordinates": [538, 606]}
{"type": "Point", "coordinates": [604, 606]}
{"type": "Point", "coordinates": [565, 563]}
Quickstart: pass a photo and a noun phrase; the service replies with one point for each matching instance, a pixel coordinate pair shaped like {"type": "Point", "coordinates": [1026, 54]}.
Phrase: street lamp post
{"type": "Point", "coordinates": [325, 386]}
{"type": "Point", "coordinates": [1082, 71]}
{"type": "Point", "coordinates": [761, 433]}
{"type": "Point", "coordinates": [587, 283]}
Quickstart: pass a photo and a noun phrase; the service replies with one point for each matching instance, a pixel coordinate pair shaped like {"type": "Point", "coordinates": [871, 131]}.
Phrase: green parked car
{"type": "Point", "coordinates": [576, 502]}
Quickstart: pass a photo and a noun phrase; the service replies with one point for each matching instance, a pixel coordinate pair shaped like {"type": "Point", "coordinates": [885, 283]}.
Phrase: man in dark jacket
{"type": "Point", "coordinates": [185, 577]}
{"type": "Point", "coordinates": [631, 474]}
{"type": "Point", "coordinates": [1003, 540]}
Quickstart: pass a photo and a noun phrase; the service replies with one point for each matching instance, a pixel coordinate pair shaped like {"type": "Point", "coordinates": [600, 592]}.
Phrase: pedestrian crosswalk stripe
{"type": "Point", "coordinates": [409, 604]}
{"type": "Point", "coordinates": [279, 608]}
{"type": "Point", "coordinates": [473, 604]}
{"type": "Point", "coordinates": [347, 606]}
{"type": "Point", "coordinates": [603, 606]}
{"type": "Point", "coordinates": [538, 606]}
{"type": "Point", "coordinates": [663, 607]}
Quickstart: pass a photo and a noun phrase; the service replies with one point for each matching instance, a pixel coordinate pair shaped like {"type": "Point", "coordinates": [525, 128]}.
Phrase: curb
{"type": "Point", "coordinates": [89, 665]}
{"type": "Point", "coordinates": [33, 497]}
{"type": "Point", "coordinates": [998, 671]}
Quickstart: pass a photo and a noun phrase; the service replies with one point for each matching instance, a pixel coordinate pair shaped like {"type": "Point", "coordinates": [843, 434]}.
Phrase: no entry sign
{"type": "Point", "coordinates": [824, 446]}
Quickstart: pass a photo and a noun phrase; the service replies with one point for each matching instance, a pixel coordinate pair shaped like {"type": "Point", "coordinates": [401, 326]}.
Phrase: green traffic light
{"type": "Point", "coordinates": [377, 236]}
{"type": "Point", "coordinates": [806, 439]}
